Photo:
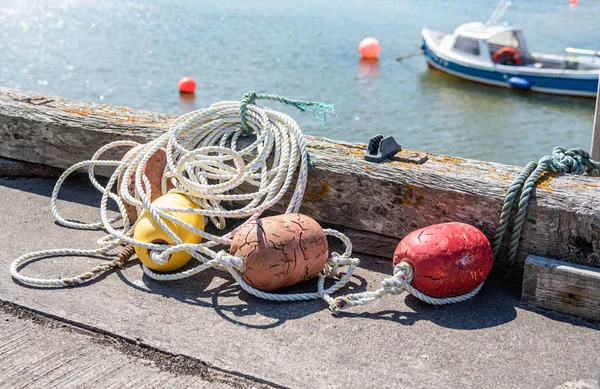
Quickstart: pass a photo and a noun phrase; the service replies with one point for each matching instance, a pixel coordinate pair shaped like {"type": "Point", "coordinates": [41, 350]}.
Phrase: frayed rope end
{"type": "Point", "coordinates": [318, 110]}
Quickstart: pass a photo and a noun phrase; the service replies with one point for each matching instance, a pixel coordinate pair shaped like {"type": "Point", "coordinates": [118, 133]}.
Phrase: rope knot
{"type": "Point", "coordinates": [392, 283]}
{"type": "Point", "coordinates": [404, 270]}
{"type": "Point", "coordinates": [573, 161]}
{"type": "Point", "coordinates": [248, 98]}
{"type": "Point", "coordinates": [403, 275]}
{"type": "Point", "coordinates": [340, 303]}
{"type": "Point", "coordinates": [158, 257]}
{"type": "Point", "coordinates": [228, 261]}
{"type": "Point", "coordinates": [332, 266]}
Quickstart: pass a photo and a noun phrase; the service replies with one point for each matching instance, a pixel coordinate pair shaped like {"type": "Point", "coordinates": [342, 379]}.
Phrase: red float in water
{"type": "Point", "coordinates": [187, 85]}
{"type": "Point", "coordinates": [448, 259]}
{"type": "Point", "coordinates": [369, 48]}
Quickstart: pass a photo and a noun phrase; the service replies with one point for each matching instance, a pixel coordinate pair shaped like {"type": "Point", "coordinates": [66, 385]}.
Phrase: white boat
{"type": "Point", "coordinates": [496, 54]}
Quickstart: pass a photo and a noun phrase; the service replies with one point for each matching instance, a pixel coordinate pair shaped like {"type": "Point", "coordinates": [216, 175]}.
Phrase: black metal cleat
{"type": "Point", "coordinates": [381, 148]}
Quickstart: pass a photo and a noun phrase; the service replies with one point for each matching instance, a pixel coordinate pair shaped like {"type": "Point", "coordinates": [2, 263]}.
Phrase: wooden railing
{"type": "Point", "coordinates": [375, 204]}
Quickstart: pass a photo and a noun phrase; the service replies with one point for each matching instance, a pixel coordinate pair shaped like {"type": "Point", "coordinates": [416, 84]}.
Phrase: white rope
{"type": "Point", "coordinates": [204, 163]}
{"type": "Point", "coordinates": [398, 283]}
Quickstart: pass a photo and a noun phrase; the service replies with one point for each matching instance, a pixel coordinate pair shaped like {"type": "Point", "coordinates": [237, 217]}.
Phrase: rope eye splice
{"type": "Point", "coordinates": [440, 264]}
{"type": "Point", "coordinates": [169, 189]}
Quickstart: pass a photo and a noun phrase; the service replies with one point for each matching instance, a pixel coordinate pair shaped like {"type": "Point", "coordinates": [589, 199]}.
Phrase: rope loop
{"type": "Point", "coordinates": [570, 161]}
{"type": "Point", "coordinates": [398, 283]}
{"type": "Point", "coordinates": [205, 163]}
{"type": "Point", "coordinates": [228, 261]}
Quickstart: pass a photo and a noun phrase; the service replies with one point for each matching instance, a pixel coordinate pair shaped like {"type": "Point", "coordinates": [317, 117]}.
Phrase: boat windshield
{"type": "Point", "coordinates": [467, 46]}
{"type": "Point", "coordinates": [503, 39]}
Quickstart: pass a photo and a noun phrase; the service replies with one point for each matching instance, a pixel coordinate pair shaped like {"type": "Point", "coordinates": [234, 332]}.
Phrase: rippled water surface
{"type": "Point", "coordinates": [133, 53]}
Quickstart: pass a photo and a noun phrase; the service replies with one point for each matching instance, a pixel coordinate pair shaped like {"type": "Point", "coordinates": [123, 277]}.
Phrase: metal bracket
{"type": "Point", "coordinates": [380, 148]}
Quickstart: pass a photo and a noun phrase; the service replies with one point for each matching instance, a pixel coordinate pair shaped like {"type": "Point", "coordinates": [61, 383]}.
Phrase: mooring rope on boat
{"type": "Point", "coordinates": [572, 161]}
{"type": "Point", "coordinates": [204, 163]}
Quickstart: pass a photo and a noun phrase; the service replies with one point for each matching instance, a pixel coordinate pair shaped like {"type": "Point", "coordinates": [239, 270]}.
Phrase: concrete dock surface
{"type": "Point", "coordinates": [122, 329]}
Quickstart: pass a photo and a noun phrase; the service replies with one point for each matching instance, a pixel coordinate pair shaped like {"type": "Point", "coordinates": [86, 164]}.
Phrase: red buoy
{"type": "Point", "coordinates": [369, 48]}
{"type": "Point", "coordinates": [187, 85]}
{"type": "Point", "coordinates": [448, 259]}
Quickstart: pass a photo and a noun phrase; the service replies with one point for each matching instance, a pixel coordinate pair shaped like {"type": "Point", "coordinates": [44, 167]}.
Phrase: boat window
{"type": "Point", "coordinates": [465, 45]}
{"type": "Point", "coordinates": [505, 38]}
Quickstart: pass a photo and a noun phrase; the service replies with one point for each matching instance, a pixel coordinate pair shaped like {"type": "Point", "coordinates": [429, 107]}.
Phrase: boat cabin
{"type": "Point", "coordinates": [481, 42]}
{"type": "Point", "coordinates": [504, 45]}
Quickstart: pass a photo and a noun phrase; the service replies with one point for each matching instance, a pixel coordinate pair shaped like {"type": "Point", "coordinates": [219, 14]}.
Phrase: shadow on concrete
{"type": "Point", "coordinates": [493, 306]}
{"type": "Point", "coordinates": [76, 189]}
{"type": "Point", "coordinates": [234, 304]}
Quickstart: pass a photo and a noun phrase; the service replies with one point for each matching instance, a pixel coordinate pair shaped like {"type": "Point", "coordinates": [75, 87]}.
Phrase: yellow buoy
{"type": "Point", "coordinates": [147, 230]}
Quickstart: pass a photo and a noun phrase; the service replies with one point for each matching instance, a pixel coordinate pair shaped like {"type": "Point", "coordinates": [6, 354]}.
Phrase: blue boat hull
{"type": "Point", "coordinates": [517, 80]}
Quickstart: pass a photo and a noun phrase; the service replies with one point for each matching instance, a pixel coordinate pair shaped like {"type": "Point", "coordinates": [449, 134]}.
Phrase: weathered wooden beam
{"type": "Point", "coordinates": [595, 151]}
{"type": "Point", "coordinates": [388, 199]}
{"type": "Point", "coordinates": [562, 286]}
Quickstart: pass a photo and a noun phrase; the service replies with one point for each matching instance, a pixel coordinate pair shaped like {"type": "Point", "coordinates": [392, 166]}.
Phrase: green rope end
{"type": "Point", "coordinates": [317, 109]}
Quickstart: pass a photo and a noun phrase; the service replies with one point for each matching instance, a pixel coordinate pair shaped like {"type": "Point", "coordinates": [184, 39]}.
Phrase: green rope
{"type": "Point", "coordinates": [574, 161]}
{"type": "Point", "coordinates": [318, 110]}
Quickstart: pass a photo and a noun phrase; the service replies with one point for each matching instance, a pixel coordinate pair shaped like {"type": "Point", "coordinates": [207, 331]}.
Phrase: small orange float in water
{"type": "Point", "coordinates": [369, 48]}
{"type": "Point", "coordinates": [187, 85]}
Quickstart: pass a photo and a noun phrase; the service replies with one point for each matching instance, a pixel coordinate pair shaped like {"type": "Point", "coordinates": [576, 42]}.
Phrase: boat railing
{"type": "Point", "coordinates": [572, 50]}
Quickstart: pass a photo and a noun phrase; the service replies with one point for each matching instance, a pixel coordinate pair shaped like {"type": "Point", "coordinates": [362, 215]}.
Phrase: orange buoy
{"type": "Point", "coordinates": [187, 85]}
{"type": "Point", "coordinates": [280, 251]}
{"type": "Point", "coordinates": [448, 259]}
{"type": "Point", "coordinates": [369, 48]}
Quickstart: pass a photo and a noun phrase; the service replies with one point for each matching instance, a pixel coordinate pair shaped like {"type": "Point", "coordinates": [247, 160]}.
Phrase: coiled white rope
{"type": "Point", "coordinates": [398, 283]}
{"type": "Point", "coordinates": [205, 164]}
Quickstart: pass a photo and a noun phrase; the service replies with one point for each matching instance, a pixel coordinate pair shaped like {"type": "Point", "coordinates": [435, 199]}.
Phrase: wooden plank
{"type": "Point", "coordinates": [390, 199]}
{"type": "Point", "coordinates": [595, 151]}
{"type": "Point", "coordinates": [562, 286]}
